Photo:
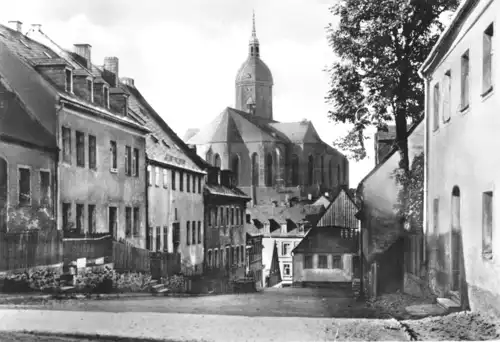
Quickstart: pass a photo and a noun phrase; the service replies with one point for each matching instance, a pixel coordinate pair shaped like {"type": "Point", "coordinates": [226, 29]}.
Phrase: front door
{"type": "Point", "coordinates": [3, 195]}
{"type": "Point", "coordinates": [456, 245]}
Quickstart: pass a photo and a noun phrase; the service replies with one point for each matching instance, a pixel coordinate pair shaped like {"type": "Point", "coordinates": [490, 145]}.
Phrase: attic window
{"type": "Point", "coordinates": [24, 43]}
{"type": "Point", "coordinates": [46, 54]}
{"type": "Point", "coordinates": [164, 143]}
{"type": "Point", "coordinates": [106, 96]}
{"type": "Point", "coordinates": [69, 81]}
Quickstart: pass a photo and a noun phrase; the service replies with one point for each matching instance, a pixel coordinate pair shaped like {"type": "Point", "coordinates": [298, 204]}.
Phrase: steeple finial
{"type": "Point", "coordinates": [254, 42]}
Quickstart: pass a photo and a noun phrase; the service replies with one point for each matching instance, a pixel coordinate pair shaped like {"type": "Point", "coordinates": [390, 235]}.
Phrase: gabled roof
{"type": "Point", "coordinates": [299, 132]}
{"type": "Point", "coordinates": [234, 126]}
{"type": "Point", "coordinates": [327, 240]}
{"type": "Point", "coordinates": [163, 145]}
{"type": "Point", "coordinates": [341, 212]}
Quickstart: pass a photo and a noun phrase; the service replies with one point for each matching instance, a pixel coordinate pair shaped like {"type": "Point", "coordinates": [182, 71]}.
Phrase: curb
{"type": "Point", "coordinates": [99, 337]}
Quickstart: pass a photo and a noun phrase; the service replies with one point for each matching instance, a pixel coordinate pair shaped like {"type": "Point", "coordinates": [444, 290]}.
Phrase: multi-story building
{"type": "Point", "coordinates": [225, 236]}
{"type": "Point", "coordinates": [176, 180]}
{"type": "Point", "coordinates": [254, 248]}
{"type": "Point", "coordinates": [461, 75]}
{"type": "Point", "coordinates": [285, 227]}
{"type": "Point", "coordinates": [99, 175]}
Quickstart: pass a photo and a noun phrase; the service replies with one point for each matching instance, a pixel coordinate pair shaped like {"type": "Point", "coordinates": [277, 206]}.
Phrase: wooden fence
{"type": "Point", "coordinates": [129, 258]}
{"type": "Point", "coordinates": [27, 249]}
{"type": "Point", "coordinates": [165, 264]}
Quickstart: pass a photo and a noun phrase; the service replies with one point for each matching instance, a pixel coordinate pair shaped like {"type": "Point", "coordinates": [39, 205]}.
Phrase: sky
{"type": "Point", "coordinates": [183, 55]}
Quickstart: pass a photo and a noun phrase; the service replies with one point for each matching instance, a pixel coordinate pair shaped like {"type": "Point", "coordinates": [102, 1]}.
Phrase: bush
{"type": "Point", "coordinates": [175, 283]}
{"type": "Point", "coordinates": [40, 280]}
{"type": "Point", "coordinates": [132, 282]}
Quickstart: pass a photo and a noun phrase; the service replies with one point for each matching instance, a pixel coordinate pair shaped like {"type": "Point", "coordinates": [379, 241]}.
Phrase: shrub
{"type": "Point", "coordinates": [132, 282]}
{"type": "Point", "coordinates": [175, 283]}
{"type": "Point", "coordinates": [42, 279]}
{"type": "Point", "coordinates": [95, 280]}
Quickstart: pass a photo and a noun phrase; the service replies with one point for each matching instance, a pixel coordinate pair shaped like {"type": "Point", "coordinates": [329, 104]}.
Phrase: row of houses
{"type": "Point", "coordinates": [83, 153]}
{"type": "Point", "coordinates": [453, 254]}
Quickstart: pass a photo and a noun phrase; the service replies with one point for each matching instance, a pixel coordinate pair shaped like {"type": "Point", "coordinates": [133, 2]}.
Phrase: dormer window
{"type": "Point", "coordinates": [69, 81]}
{"type": "Point", "coordinates": [106, 97]}
{"type": "Point", "coordinates": [90, 90]}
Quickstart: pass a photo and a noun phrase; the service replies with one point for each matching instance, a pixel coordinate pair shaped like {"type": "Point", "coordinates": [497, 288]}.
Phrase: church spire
{"type": "Point", "coordinates": [254, 42]}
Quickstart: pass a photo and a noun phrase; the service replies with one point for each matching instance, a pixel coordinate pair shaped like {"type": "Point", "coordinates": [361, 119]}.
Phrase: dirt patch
{"type": "Point", "coordinates": [394, 304]}
{"type": "Point", "coordinates": [465, 326]}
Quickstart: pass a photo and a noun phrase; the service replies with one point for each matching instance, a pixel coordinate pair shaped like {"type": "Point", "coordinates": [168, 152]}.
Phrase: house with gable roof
{"type": "Point", "coordinates": [326, 255]}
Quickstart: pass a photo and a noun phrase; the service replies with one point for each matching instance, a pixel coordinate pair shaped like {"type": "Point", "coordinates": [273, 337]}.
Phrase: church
{"type": "Point", "coordinates": [272, 161]}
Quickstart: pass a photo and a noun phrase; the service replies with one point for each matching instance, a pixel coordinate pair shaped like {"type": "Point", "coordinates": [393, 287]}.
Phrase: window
{"type": "Point", "coordinates": [199, 231]}
{"type": "Point", "coordinates": [216, 258]}
{"type": "Point", "coordinates": [113, 221]}
{"type": "Point", "coordinates": [135, 163]}
{"type": "Point", "coordinates": [447, 96]}
{"type": "Point", "coordinates": [242, 253]}
{"type": "Point", "coordinates": [221, 216]}
{"type": "Point", "coordinates": [92, 152]}
{"type": "Point", "coordinates": [235, 167]}
{"type": "Point", "coordinates": [194, 183]}
{"type": "Point", "coordinates": [193, 233]}
{"type": "Point", "coordinates": [464, 93]}
{"type": "Point", "coordinates": [435, 108]}
{"type": "Point", "coordinates": [165, 238]}
{"type": "Point", "coordinates": [69, 81]}
{"type": "Point", "coordinates": [137, 220]}
{"type": "Point", "coordinates": [114, 159]}
{"type": "Point", "coordinates": [237, 256]}
{"type": "Point", "coordinates": [176, 235]}
{"type": "Point", "coordinates": [66, 217]}
{"type": "Point", "coordinates": [322, 261]}
{"type": "Point", "coordinates": [188, 233]}
{"type": "Point", "coordinates": [287, 270]}
{"type": "Point", "coordinates": [255, 169]}
{"type": "Point", "coordinates": [226, 218]}
{"type": "Point", "coordinates": [487, 59]}
{"type": "Point", "coordinates": [128, 161]}
{"type": "Point", "coordinates": [269, 169]}
{"type": "Point", "coordinates": [91, 219]}
{"type": "Point", "coordinates": [106, 97]}
{"type": "Point", "coordinates": [237, 215]}
{"type": "Point", "coordinates": [232, 216]}
{"type": "Point", "coordinates": [157, 176]}
{"type": "Point", "coordinates": [165, 175]}
{"type": "Point", "coordinates": [172, 176]}
{"type": "Point", "coordinates": [336, 262]}
{"type": "Point", "coordinates": [24, 186]}
{"type": "Point", "coordinates": [285, 248]}
{"type": "Point", "coordinates": [150, 177]}
{"type": "Point", "coordinates": [188, 183]}
{"type": "Point", "coordinates": [181, 181]}
{"type": "Point", "coordinates": [249, 218]}
{"type": "Point", "coordinates": [209, 258]}
{"type": "Point", "coordinates": [208, 219]}
{"type": "Point", "coordinates": [66, 136]}
{"type": "Point", "coordinates": [128, 221]}
{"type": "Point", "coordinates": [487, 224]}
{"type": "Point", "coordinates": [158, 239]}
{"type": "Point", "coordinates": [90, 90]}
{"type": "Point", "coordinates": [217, 162]}
{"type": "Point", "coordinates": [79, 217]}
{"type": "Point", "coordinates": [216, 222]}
{"type": "Point", "coordinates": [310, 170]}
{"type": "Point", "coordinates": [45, 189]}
{"type": "Point", "coordinates": [80, 149]}
{"type": "Point", "coordinates": [199, 184]}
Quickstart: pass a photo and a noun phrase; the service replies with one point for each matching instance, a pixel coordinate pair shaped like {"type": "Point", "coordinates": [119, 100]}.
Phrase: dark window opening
{"type": "Point", "coordinates": [24, 187]}
{"type": "Point", "coordinates": [80, 149]}
{"type": "Point", "coordinates": [92, 152]}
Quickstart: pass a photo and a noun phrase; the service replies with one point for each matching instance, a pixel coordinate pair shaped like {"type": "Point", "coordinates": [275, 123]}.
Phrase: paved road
{"type": "Point", "coordinates": [286, 302]}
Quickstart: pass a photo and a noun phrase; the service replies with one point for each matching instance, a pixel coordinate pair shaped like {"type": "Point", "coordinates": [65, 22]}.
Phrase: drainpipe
{"type": "Point", "coordinates": [57, 186]}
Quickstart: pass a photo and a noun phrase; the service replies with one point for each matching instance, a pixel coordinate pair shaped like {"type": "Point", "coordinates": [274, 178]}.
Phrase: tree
{"type": "Point", "coordinates": [380, 45]}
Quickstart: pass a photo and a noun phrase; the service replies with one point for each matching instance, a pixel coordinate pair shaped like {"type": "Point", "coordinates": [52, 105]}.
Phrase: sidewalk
{"type": "Point", "coordinates": [191, 327]}
{"type": "Point", "coordinates": [16, 297]}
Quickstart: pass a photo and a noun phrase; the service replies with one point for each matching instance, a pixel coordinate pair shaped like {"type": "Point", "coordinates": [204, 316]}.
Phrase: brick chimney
{"type": "Point", "coordinates": [16, 25]}
{"type": "Point", "coordinates": [128, 81]}
{"type": "Point", "coordinates": [110, 73]}
{"type": "Point", "coordinates": [84, 53]}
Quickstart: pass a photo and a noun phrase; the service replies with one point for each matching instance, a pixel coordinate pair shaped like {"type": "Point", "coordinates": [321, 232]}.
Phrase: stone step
{"type": "Point", "coordinates": [449, 305]}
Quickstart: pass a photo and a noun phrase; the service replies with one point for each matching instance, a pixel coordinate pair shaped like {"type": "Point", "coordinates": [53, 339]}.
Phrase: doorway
{"type": "Point", "coordinates": [456, 245]}
{"type": "Point", "coordinates": [3, 195]}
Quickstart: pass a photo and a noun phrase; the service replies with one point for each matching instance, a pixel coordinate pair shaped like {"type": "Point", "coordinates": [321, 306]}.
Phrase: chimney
{"type": "Point", "coordinates": [84, 51]}
{"type": "Point", "coordinates": [111, 70]}
{"type": "Point", "coordinates": [16, 25]}
{"type": "Point", "coordinates": [192, 147]}
{"type": "Point", "coordinates": [128, 81]}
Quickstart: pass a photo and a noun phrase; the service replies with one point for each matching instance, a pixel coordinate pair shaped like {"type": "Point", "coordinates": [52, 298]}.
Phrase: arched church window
{"type": "Point", "coordinates": [235, 167]}
{"type": "Point", "coordinates": [269, 169]}
{"type": "Point", "coordinates": [295, 169]}
{"type": "Point", "coordinates": [255, 169]}
{"type": "Point", "coordinates": [322, 169]}
{"type": "Point", "coordinates": [208, 157]}
{"type": "Point", "coordinates": [217, 160]}
{"type": "Point", "coordinates": [310, 170]}
{"type": "Point", "coordinates": [330, 172]}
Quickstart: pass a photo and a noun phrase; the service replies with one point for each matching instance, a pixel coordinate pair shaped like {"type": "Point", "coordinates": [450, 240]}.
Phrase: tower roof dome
{"type": "Point", "coordinates": [254, 69]}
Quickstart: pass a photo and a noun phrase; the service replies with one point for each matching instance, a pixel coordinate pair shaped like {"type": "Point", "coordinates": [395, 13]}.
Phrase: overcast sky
{"type": "Point", "coordinates": [184, 54]}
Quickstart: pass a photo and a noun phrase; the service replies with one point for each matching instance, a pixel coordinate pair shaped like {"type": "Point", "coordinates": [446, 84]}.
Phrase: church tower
{"type": "Point", "coordinates": [254, 82]}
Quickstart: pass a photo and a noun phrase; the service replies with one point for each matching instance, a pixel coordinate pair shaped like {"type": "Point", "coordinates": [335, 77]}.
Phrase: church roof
{"type": "Point", "coordinates": [234, 126]}
{"type": "Point", "coordinates": [303, 132]}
